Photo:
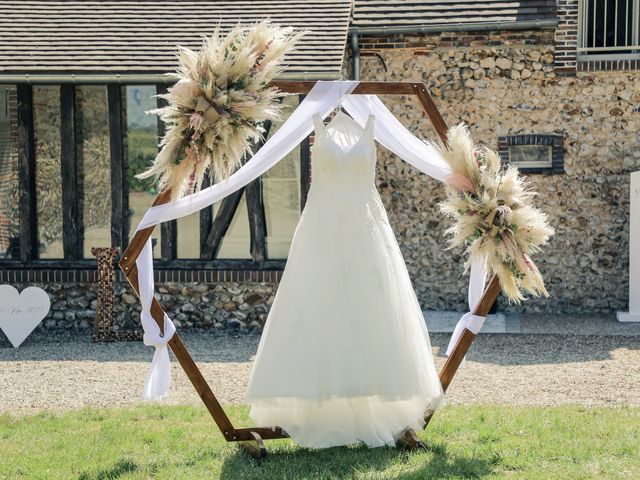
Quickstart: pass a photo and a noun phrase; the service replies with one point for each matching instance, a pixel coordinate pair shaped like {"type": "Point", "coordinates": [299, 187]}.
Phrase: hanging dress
{"type": "Point", "coordinates": [345, 355]}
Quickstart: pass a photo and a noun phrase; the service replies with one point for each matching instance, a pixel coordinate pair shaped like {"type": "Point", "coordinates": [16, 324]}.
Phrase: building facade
{"type": "Point", "coordinates": [554, 86]}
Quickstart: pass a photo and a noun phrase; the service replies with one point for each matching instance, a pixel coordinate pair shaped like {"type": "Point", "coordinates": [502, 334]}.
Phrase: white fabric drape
{"type": "Point", "coordinates": [323, 98]}
{"type": "Point", "coordinates": [469, 320]}
{"type": "Point", "coordinates": [395, 137]}
{"type": "Point", "coordinates": [159, 376]}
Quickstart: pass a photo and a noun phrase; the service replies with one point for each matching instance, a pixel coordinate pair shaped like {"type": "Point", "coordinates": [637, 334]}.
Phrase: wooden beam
{"type": "Point", "coordinates": [363, 88]}
{"type": "Point", "coordinates": [114, 102]}
{"type": "Point", "coordinates": [220, 225]}
{"type": "Point", "coordinates": [305, 167]}
{"type": "Point", "coordinates": [454, 360]}
{"type": "Point", "coordinates": [72, 238]}
{"type": "Point", "coordinates": [255, 211]}
{"type": "Point", "coordinates": [27, 174]}
{"type": "Point", "coordinates": [168, 230]}
{"type": "Point", "coordinates": [420, 90]}
{"type": "Point", "coordinates": [489, 297]}
{"type": "Point", "coordinates": [206, 216]}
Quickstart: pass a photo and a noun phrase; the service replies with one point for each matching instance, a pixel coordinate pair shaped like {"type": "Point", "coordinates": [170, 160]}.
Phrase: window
{"type": "Point", "coordinates": [86, 193]}
{"type": "Point", "coordinates": [46, 119]}
{"type": "Point", "coordinates": [533, 153]}
{"type": "Point", "coordinates": [609, 29]}
{"type": "Point", "coordinates": [142, 147]}
{"type": "Point", "coordinates": [92, 127]}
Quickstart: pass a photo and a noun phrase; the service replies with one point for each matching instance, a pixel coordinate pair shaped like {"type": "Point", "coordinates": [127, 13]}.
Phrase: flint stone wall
{"type": "Point", "coordinates": [498, 85]}
{"type": "Point", "coordinates": [511, 88]}
{"type": "Point", "coordinates": [226, 306]}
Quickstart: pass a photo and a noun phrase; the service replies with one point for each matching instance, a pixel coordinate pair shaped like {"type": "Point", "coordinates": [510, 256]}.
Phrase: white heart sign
{"type": "Point", "coordinates": [21, 313]}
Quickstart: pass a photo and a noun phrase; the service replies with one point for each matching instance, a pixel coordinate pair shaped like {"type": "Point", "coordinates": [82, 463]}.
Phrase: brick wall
{"type": "Point", "coordinates": [427, 42]}
{"type": "Point", "coordinates": [566, 38]}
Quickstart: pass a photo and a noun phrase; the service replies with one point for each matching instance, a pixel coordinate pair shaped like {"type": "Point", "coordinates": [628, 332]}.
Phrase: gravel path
{"type": "Point", "coordinates": [67, 371]}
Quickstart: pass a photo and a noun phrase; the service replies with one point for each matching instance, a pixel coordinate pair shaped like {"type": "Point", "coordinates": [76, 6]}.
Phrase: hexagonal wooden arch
{"type": "Point", "coordinates": [252, 438]}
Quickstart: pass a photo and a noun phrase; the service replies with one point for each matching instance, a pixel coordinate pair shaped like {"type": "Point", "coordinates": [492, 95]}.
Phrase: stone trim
{"type": "Point", "coordinates": [554, 140]}
{"type": "Point", "coordinates": [13, 276]}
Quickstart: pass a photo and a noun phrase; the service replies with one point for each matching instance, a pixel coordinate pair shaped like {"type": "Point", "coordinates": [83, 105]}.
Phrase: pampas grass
{"type": "Point", "coordinates": [493, 214]}
{"type": "Point", "coordinates": [216, 109]}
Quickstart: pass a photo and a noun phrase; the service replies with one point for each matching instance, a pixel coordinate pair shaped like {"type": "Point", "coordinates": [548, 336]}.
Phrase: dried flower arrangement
{"type": "Point", "coordinates": [493, 214]}
{"type": "Point", "coordinates": [216, 109]}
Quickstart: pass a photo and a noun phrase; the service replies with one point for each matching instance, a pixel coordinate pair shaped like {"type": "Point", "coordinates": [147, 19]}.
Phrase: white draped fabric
{"type": "Point", "coordinates": [159, 377]}
{"type": "Point", "coordinates": [323, 98]}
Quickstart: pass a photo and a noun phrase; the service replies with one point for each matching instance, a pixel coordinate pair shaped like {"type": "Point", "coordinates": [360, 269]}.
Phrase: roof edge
{"type": "Point", "coordinates": [545, 24]}
{"type": "Point", "coordinates": [130, 79]}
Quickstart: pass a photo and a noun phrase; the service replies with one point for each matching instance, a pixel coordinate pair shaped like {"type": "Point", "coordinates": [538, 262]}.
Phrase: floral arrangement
{"type": "Point", "coordinates": [216, 109]}
{"type": "Point", "coordinates": [493, 214]}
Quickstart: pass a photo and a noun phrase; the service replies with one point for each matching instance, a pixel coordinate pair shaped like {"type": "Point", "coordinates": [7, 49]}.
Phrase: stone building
{"type": "Point", "coordinates": [553, 85]}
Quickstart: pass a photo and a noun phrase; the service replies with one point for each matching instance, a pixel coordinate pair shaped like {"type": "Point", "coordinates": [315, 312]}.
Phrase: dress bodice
{"type": "Point", "coordinates": [344, 153]}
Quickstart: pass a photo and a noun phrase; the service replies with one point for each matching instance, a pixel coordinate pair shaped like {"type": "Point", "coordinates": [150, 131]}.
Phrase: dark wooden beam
{"type": "Point", "coordinates": [168, 230]}
{"type": "Point", "coordinates": [114, 103]}
{"type": "Point", "coordinates": [27, 174]}
{"type": "Point", "coordinates": [220, 225]}
{"type": "Point", "coordinates": [80, 172]}
{"type": "Point", "coordinates": [72, 237]}
{"type": "Point", "coordinates": [225, 264]}
{"type": "Point", "coordinates": [255, 211]}
{"type": "Point", "coordinates": [305, 166]}
{"type": "Point", "coordinates": [206, 215]}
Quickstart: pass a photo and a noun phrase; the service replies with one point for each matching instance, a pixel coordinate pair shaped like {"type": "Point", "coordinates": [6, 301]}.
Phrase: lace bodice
{"type": "Point", "coordinates": [343, 152]}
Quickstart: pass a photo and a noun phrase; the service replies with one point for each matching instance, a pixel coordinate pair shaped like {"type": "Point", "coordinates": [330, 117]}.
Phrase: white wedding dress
{"type": "Point", "coordinates": [345, 356]}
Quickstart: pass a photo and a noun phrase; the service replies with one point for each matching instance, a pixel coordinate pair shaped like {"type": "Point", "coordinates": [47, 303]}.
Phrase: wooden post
{"type": "Point", "coordinates": [168, 230]}
{"type": "Point", "coordinates": [255, 212]}
{"type": "Point", "coordinates": [72, 228]}
{"type": "Point", "coordinates": [221, 222]}
{"type": "Point", "coordinates": [305, 166]}
{"type": "Point", "coordinates": [27, 174]}
{"type": "Point", "coordinates": [454, 360]}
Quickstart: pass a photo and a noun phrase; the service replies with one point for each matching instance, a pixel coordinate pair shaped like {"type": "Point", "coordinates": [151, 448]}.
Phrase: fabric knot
{"type": "Point", "coordinates": [159, 377]}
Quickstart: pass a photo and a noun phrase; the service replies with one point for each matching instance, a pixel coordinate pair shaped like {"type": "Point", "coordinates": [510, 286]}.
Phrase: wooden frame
{"type": "Point", "coordinates": [252, 438]}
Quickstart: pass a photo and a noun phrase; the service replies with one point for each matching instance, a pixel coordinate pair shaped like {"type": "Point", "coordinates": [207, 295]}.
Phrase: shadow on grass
{"type": "Point", "coordinates": [121, 467]}
{"type": "Point", "coordinates": [344, 462]}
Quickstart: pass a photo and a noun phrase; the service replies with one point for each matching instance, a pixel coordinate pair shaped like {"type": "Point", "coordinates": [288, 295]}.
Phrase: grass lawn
{"type": "Point", "coordinates": [462, 442]}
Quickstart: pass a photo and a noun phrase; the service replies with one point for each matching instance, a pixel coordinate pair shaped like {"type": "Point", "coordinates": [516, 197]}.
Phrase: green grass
{"type": "Point", "coordinates": [462, 442]}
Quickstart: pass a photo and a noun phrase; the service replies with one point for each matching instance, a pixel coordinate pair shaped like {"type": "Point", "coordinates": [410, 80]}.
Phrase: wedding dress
{"type": "Point", "coordinates": [345, 355]}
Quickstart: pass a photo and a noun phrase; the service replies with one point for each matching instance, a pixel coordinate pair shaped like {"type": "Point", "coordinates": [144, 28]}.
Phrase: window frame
{"type": "Point", "coordinates": [593, 53]}
{"type": "Point", "coordinates": [74, 260]}
{"type": "Point", "coordinates": [555, 141]}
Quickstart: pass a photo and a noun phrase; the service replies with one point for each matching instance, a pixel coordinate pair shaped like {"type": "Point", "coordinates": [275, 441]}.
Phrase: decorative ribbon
{"type": "Point", "coordinates": [159, 377]}
{"type": "Point", "coordinates": [469, 320]}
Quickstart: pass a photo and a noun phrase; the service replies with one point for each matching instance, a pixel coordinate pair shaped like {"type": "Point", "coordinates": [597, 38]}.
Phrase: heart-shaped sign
{"type": "Point", "coordinates": [20, 313]}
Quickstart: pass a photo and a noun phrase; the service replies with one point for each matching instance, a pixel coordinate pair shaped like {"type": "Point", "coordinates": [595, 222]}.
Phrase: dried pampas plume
{"type": "Point", "coordinates": [493, 213]}
{"type": "Point", "coordinates": [216, 109]}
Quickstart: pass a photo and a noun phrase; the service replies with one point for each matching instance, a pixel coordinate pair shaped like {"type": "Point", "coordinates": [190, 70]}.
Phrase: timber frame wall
{"type": "Point", "coordinates": [169, 268]}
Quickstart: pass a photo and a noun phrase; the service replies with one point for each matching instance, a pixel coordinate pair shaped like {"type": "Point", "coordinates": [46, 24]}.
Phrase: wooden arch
{"type": "Point", "coordinates": [252, 438]}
